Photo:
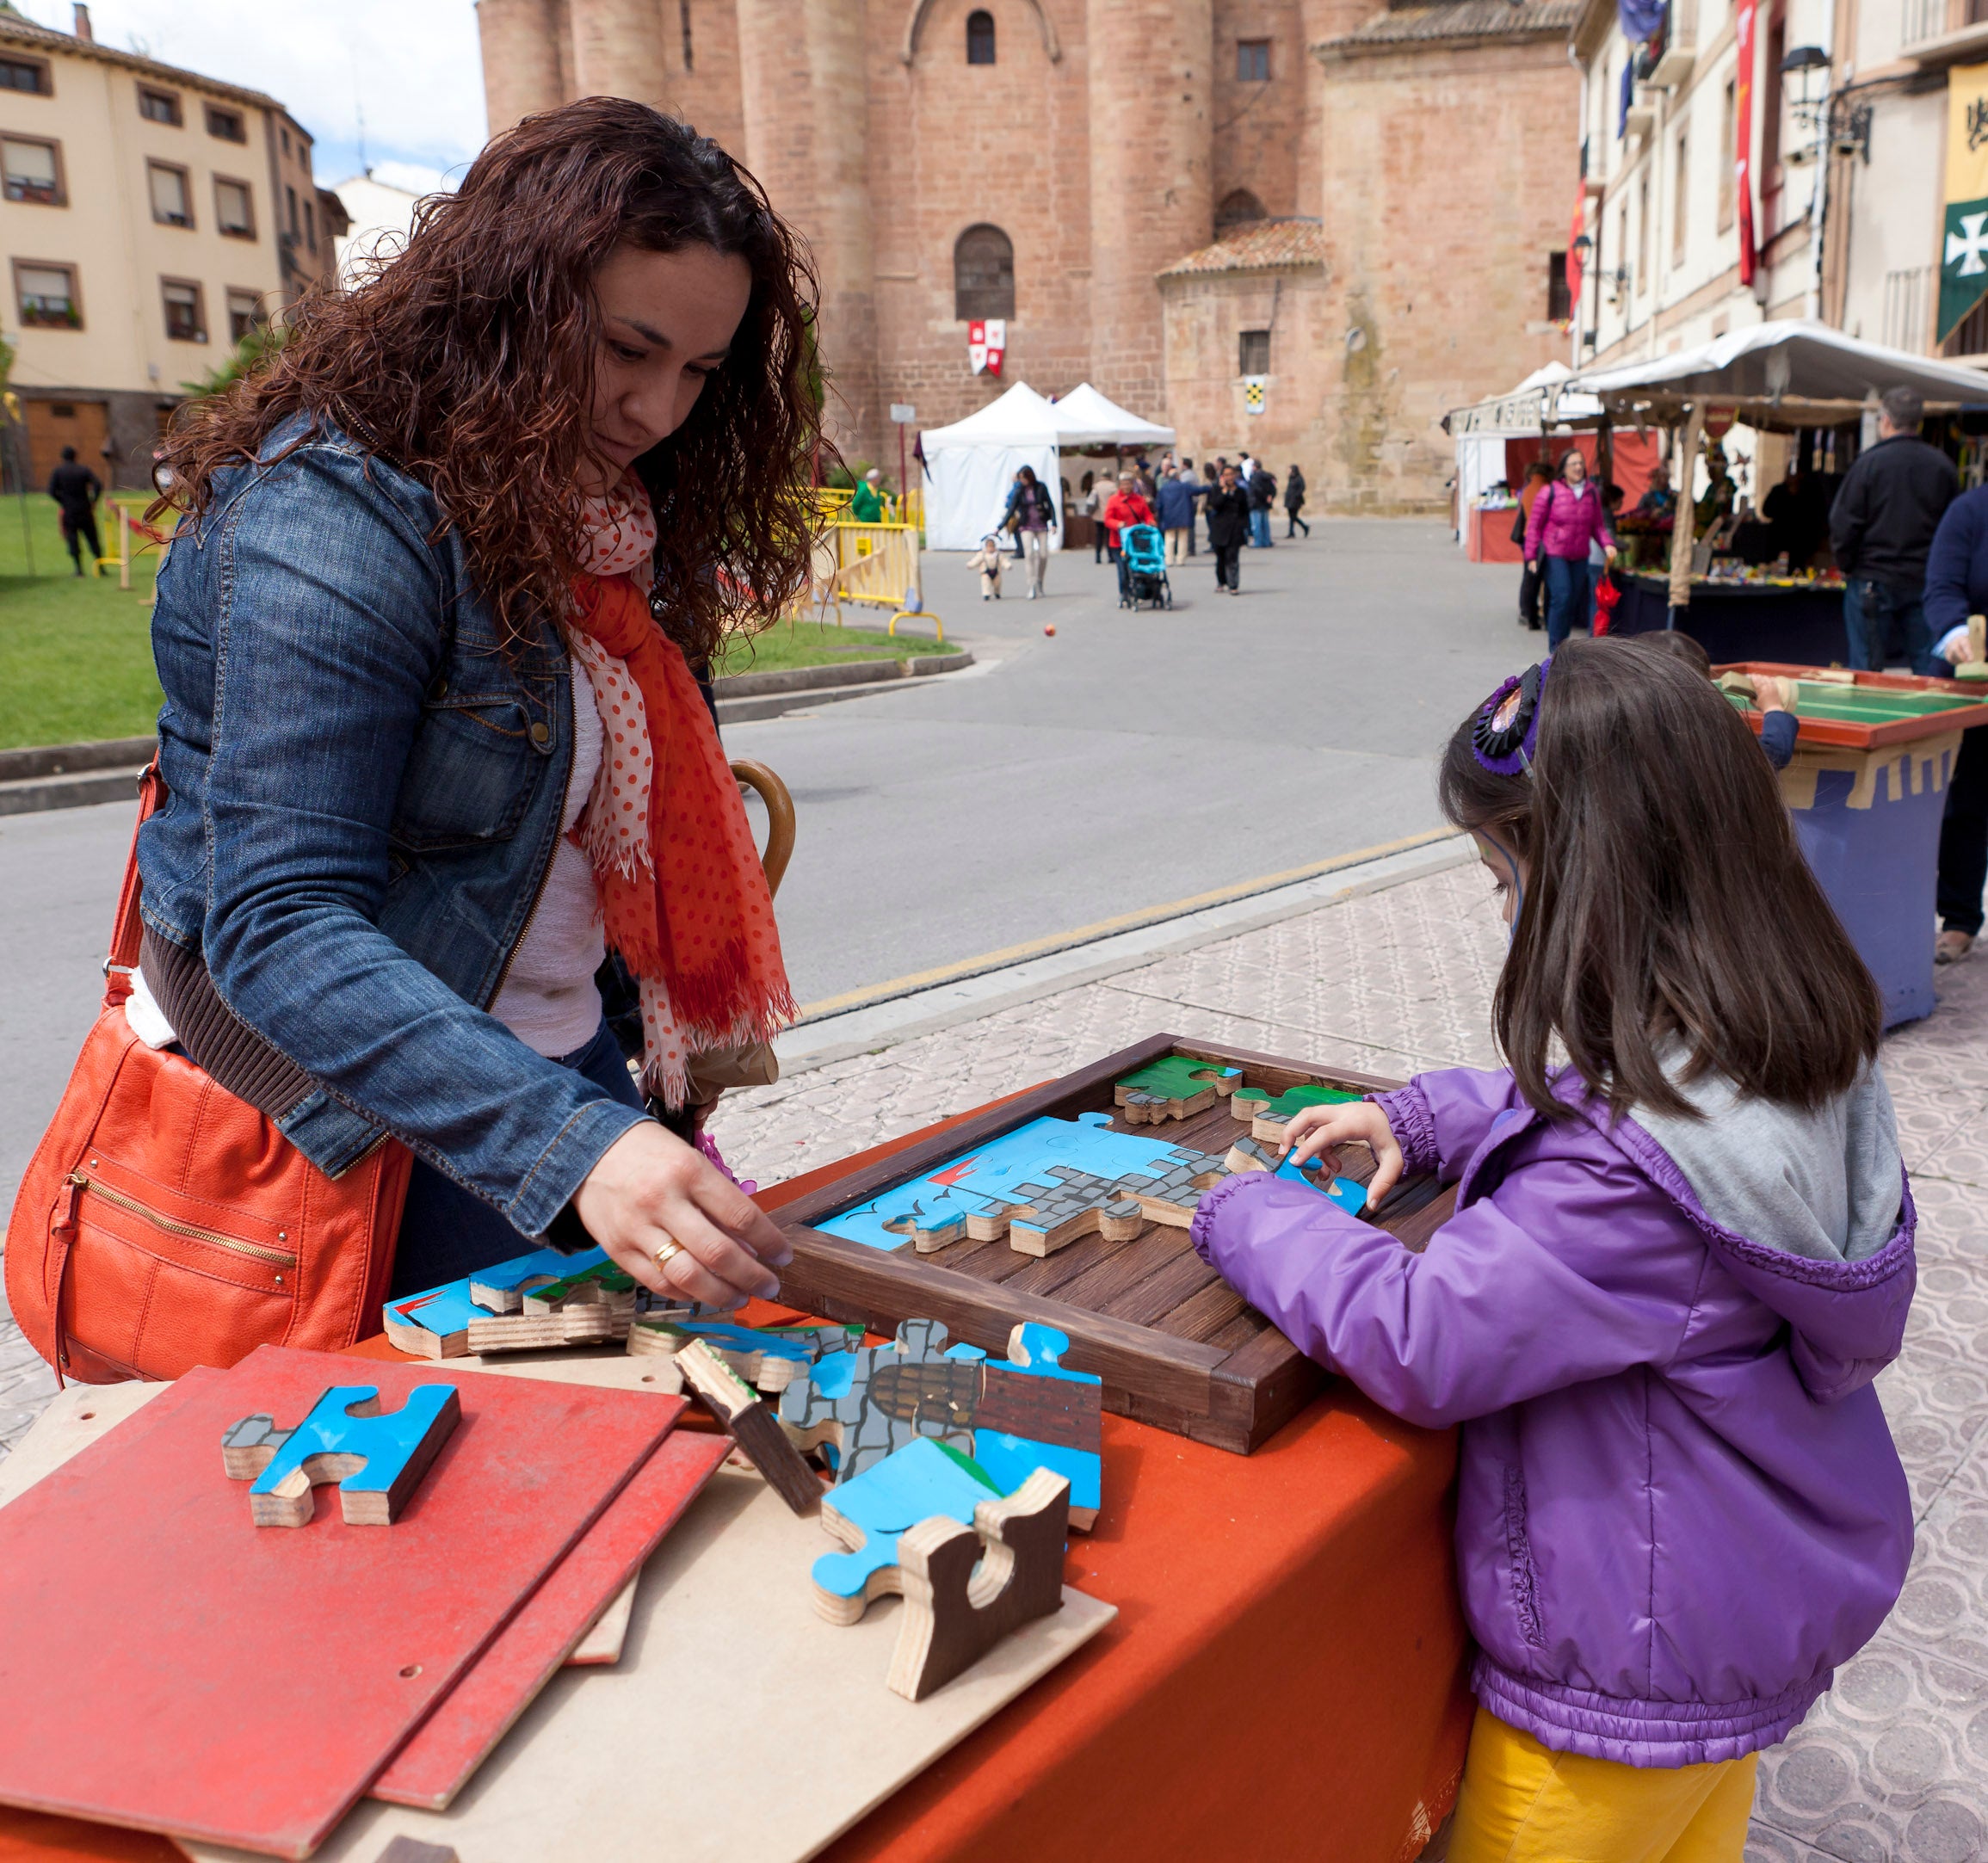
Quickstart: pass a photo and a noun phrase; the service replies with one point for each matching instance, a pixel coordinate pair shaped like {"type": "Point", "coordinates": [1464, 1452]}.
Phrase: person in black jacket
{"type": "Point", "coordinates": [76, 489]}
{"type": "Point", "coordinates": [1263, 490]}
{"type": "Point", "coordinates": [1227, 510]}
{"type": "Point", "coordinates": [1294, 502]}
{"type": "Point", "coordinates": [1881, 529]}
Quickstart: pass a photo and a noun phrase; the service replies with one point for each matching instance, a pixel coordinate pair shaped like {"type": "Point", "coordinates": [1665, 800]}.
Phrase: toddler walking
{"type": "Point", "coordinates": [987, 560]}
{"type": "Point", "coordinates": [1676, 1265]}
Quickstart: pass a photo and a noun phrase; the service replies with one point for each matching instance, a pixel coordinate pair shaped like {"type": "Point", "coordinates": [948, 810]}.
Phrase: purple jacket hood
{"type": "Point", "coordinates": [1679, 1506]}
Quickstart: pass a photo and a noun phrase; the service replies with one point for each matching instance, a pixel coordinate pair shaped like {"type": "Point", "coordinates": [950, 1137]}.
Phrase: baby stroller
{"type": "Point", "coordinates": [1145, 568]}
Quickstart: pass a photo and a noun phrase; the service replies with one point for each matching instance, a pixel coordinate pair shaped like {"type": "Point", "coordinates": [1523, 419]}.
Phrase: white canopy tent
{"type": "Point", "coordinates": [1537, 405]}
{"type": "Point", "coordinates": [970, 465]}
{"type": "Point", "coordinates": [1789, 374]}
{"type": "Point", "coordinates": [1086, 418]}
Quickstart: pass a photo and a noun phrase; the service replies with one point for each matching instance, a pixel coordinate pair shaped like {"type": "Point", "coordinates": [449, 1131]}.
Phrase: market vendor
{"type": "Point", "coordinates": [1714, 503]}
{"type": "Point", "coordinates": [1957, 587]}
{"type": "Point", "coordinates": [1658, 499]}
{"type": "Point", "coordinates": [450, 560]}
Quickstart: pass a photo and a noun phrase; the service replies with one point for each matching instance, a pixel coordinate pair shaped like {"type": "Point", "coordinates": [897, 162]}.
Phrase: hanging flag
{"type": "Point", "coordinates": [1743, 136]}
{"type": "Point", "coordinates": [986, 342]}
{"type": "Point", "coordinates": [1253, 386]}
{"type": "Point", "coordinates": [1575, 235]}
{"type": "Point", "coordinates": [977, 344]}
{"type": "Point", "coordinates": [1964, 251]}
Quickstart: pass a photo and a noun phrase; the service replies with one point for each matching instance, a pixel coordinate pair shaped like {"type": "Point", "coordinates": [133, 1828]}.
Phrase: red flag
{"type": "Point", "coordinates": [1574, 238]}
{"type": "Point", "coordinates": [1742, 151]}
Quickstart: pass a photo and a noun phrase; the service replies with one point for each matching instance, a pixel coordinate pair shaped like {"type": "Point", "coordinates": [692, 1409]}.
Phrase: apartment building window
{"type": "Point", "coordinates": [159, 105]}
{"type": "Point", "coordinates": [1643, 230]}
{"type": "Point", "coordinates": [310, 226]}
{"type": "Point", "coordinates": [1908, 305]}
{"type": "Point", "coordinates": [1252, 61]}
{"type": "Point", "coordinates": [983, 273]}
{"type": "Point", "coordinates": [1728, 142]}
{"type": "Point", "coordinates": [1253, 352]}
{"type": "Point", "coordinates": [245, 313]}
{"type": "Point", "coordinates": [285, 142]}
{"type": "Point", "coordinates": [30, 75]}
{"type": "Point", "coordinates": [1237, 209]}
{"type": "Point", "coordinates": [186, 317]}
{"type": "Point", "coordinates": [33, 172]}
{"type": "Point", "coordinates": [1559, 300]}
{"type": "Point", "coordinates": [979, 37]}
{"type": "Point", "coordinates": [172, 200]}
{"type": "Point", "coordinates": [291, 193]}
{"type": "Point", "coordinates": [1681, 199]}
{"type": "Point", "coordinates": [234, 208]}
{"type": "Point", "coordinates": [228, 124]}
{"type": "Point", "coordinates": [45, 295]}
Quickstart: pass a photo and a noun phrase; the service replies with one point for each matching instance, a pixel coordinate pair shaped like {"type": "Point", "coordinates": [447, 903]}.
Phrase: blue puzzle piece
{"type": "Point", "coordinates": [870, 1511]}
{"type": "Point", "coordinates": [1011, 1459]}
{"type": "Point", "coordinates": [1350, 1196]}
{"type": "Point", "coordinates": [395, 1450]}
{"type": "Point", "coordinates": [448, 1309]}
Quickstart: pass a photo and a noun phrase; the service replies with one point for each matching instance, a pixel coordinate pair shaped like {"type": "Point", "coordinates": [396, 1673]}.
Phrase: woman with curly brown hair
{"type": "Point", "coordinates": [449, 568]}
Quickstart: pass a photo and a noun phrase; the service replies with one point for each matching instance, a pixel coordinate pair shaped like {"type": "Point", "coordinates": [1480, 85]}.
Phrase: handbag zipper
{"type": "Point", "coordinates": [173, 1226]}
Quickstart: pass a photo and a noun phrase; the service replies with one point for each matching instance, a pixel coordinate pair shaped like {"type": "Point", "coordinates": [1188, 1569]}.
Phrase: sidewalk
{"type": "Point", "coordinates": [1893, 1762]}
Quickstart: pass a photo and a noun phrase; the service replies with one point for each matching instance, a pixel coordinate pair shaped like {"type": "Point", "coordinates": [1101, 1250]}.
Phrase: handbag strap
{"type": "Point", "coordinates": [127, 928]}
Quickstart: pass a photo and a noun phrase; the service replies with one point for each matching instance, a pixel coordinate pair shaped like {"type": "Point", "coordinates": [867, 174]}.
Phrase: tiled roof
{"type": "Point", "coordinates": [18, 31]}
{"type": "Point", "coordinates": [1280, 245]}
{"type": "Point", "coordinates": [1438, 20]}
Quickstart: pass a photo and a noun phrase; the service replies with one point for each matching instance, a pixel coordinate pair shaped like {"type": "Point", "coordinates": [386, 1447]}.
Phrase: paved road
{"type": "Point", "coordinates": [1132, 761]}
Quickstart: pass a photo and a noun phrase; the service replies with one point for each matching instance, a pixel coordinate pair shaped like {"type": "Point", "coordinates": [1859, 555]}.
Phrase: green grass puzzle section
{"type": "Point", "coordinates": [1178, 1076]}
{"type": "Point", "coordinates": [1258, 1103]}
{"type": "Point", "coordinates": [75, 651]}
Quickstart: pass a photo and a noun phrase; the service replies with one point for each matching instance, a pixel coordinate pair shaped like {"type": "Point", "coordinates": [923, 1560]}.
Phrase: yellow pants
{"type": "Point", "coordinates": [1522, 1803]}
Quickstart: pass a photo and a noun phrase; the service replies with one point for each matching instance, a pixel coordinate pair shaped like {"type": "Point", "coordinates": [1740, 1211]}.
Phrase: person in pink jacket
{"type": "Point", "coordinates": [1567, 518]}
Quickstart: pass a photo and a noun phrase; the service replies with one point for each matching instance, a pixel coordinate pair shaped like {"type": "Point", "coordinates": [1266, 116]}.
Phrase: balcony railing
{"type": "Point", "coordinates": [1925, 20]}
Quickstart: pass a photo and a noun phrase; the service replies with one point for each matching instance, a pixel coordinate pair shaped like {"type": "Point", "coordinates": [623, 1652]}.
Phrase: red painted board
{"type": "Point", "coordinates": [167, 1665]}
{"type": "Point", "coordinates": [453, 1741]}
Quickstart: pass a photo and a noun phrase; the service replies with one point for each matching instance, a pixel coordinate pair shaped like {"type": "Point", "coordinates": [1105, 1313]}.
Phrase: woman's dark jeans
{"type": "Point", "coordinates": [1570, 597]}
{"type": "Point", "coordinates": [447, 1232]}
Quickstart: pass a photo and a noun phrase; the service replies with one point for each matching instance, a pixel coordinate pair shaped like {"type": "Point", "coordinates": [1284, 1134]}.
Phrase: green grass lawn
{"type": "Point", "coordinates": [74, 653]}
{"type": "Point", "coordinates": [815, 644]}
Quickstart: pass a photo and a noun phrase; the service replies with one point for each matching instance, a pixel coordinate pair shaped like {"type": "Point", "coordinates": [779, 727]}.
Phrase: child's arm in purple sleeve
{"type": "Point", "coordinates": [1438, 1119]}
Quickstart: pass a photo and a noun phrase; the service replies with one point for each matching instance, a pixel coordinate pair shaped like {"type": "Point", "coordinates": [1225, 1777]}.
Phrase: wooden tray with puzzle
{"type": "Point", "coordinates": [1068, 1207]}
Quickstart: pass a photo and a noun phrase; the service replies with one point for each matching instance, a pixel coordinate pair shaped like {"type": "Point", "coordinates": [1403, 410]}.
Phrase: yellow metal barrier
{"type": "Point", "coordinates": [876, 564]}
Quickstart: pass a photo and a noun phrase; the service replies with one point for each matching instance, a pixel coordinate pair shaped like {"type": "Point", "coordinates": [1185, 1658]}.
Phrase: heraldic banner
{"type": "Point", "coordinates": [1964, 251]}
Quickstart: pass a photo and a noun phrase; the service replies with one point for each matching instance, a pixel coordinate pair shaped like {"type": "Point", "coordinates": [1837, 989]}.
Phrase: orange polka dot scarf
{"type": "Point", "coordinates": [683, 896]}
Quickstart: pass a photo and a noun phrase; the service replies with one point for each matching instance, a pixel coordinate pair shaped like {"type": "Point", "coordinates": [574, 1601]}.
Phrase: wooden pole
{"type": "Point", "coordinates": [124, 546]}
{"type": "Point", "coordinates": [1683, 532]}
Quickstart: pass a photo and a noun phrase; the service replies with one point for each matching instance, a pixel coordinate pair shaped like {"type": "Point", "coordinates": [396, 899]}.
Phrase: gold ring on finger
{"type": "Point", "coordinates": [667, 1252]}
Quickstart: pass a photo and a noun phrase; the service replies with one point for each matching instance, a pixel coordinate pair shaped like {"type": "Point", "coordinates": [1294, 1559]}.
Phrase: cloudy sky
{"type": "Point", "coordinates": [410, 65]}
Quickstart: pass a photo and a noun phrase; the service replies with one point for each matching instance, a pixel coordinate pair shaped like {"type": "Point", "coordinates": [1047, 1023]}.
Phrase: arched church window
{"type": "Point", "coordinates": [983, 273]}
{"type": "Point", "coordinates": [1238, 209]}
{"type": "Point", "coordinates": [979, 37]}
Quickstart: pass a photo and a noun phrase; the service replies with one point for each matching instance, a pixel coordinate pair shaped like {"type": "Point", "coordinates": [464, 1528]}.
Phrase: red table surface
{"type": "Point", "coordinates": [1285, 1678]}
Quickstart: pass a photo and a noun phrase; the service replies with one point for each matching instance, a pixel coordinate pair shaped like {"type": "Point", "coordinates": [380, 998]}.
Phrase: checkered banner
{"type": "Point", "coordinates": [1253, 388]}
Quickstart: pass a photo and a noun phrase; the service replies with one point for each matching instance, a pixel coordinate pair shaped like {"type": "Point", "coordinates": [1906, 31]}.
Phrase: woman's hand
{"type": "Point", "coordinates": [651, 1189]}
{"type": "Point", "coordinates": [1319, 1130]}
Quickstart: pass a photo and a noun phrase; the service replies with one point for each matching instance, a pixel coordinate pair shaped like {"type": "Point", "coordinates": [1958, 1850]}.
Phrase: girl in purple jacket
{"type": "Point", "coordinates": [1676, 1265]}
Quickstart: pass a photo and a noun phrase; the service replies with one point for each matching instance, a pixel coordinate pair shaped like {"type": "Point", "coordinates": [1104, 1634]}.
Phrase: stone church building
{"type": "Point", "coordinates": [1364, 211]}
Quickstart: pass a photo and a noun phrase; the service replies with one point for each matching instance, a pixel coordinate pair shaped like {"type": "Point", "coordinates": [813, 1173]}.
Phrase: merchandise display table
{"type": "Point", "coordinates": [1802, 625]}
{"type": "Point", "coordinates": [1867, 789]}
{"type": "Point", "coordinates": [1487, 535]}
{"type": "Point", "coordinates": [1285, 1676]}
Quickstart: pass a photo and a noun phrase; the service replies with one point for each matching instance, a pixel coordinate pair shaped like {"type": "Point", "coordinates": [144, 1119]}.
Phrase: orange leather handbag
{"type": "Point", "coordinates": [163, 1223]}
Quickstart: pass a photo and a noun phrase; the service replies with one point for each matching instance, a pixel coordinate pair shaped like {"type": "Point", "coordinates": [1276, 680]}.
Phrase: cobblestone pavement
{"type": "Point", "coordinates": [1893, 1762]}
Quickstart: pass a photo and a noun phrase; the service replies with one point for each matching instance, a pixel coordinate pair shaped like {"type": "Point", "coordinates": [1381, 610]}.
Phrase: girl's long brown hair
{"type": "Point", "coordinates": [1666, 900]}
{"type": "Point", "coordinates": [468, 360]}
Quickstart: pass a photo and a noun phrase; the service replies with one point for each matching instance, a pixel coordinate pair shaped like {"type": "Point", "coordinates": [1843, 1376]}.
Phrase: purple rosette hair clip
{"type": "Point", "coordinates": [1501, 738]}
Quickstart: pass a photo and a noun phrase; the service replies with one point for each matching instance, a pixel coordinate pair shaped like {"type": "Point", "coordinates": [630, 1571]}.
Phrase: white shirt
{"type": "Point", "coordinates": [548, 1000]}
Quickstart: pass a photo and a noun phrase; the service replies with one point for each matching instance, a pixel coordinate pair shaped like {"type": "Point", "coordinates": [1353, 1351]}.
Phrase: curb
{"type": "Point", "coordinates": [803, 688]}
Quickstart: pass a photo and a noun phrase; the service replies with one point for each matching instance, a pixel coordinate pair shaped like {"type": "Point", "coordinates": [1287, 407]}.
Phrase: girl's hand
{"type": "Point", "coordinates": [1319, 1130]}
{"type": "Point", "coordinates": [649, 1189]}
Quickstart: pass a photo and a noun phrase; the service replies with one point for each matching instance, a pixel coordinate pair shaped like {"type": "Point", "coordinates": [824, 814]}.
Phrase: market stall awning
{"type": "Point", "coordinates": [971, 466]}
{"type": "Point", "coordinates": [1086, 418]}
{"type": "Point", "coordinates": [1019, 418]}
{"type": "Point", "coordinates": [1539, 404]}
{"type": "Point", "coordinates": [1792, 373]}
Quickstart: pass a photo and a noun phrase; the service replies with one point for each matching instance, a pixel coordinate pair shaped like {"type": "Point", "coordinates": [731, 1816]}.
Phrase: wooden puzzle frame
{"type": "Point", "coordinates": [1176, 1348]}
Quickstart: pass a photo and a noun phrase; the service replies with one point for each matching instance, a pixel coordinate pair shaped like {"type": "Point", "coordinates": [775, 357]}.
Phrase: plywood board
{"type": "Point", "coordinates": [204, 1716]}
{"type": "Point", "coordinates": [75, 1417]}
{"type": "Point", "coordinates": [724, 1621]}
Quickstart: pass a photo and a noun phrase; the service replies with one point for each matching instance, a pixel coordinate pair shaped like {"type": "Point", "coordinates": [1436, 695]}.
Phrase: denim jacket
{"type": "Point", "coordinates": [364, 797]}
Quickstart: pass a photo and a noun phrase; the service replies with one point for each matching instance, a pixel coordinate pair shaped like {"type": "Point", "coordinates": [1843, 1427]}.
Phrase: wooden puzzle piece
{"type": "Point", "coordinates": [1253, 1154]}
{"type": "Point", "coordinates": [857, 1407]}
{"type": "Point", "coordinates": [435, 1323]}
{"type": "Point", "coordinates": [769, 1358]}
{"type": "Point", "coordinates": [752, 1426]}
{"type": "Point", "coordinates": [407, 1849]}
{"type": "Point", "coordinates": [1173, 1088]}
{"type": "Point", "coordinates": [1033, 1414]}
{"type": "Point", "coordinates": [966, 1586]}
{"type": "Point", "coordinates": [377, 1461]}
{"type": "Point", "coordinates": [867, 1514]}
{"type": "Point", "coordinates": [1269, 1113]}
